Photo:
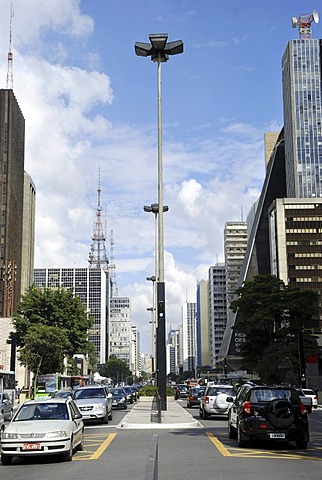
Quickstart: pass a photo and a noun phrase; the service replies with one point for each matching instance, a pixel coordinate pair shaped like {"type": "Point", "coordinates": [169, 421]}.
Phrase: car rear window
{"type": "Point", "coordinates": [213, 391]}
{"type": "Point", "coordinates": [267, 395]}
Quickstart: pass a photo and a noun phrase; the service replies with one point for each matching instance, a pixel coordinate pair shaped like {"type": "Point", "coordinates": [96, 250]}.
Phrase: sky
{"type": "Point", "coordinates": [90, 106]}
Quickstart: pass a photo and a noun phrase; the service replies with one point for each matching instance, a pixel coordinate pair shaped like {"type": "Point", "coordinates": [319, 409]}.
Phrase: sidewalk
{"type": "Point", "coordinates": [144, 416]}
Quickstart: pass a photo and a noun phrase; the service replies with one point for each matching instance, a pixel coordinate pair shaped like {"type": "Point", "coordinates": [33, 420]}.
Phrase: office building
{"type": "Point", "coordinates": [217, 309]}
{"type": "Point", "coordinates": [203, 337]}
{"type": "Point", "coordinates": [136, 367]}
{"type": "Point", "coordinates": [189, 337]}
{"type": "Point", "coordinates": [235, 244]}
{"type": "Point", "coordinates": [120, 329]}
{"type": "Point", "coordinates": [91, 286]}
{"type": "Point", "coordinates": [302, 102]}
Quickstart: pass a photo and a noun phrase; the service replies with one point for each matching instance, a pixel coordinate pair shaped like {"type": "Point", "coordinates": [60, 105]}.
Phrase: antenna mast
{"type": "Point", "coordinates": [304, 23]}
{"type": "Point", "coordinates": [9, 83]}
{"type": "Point", "coordinates": [115, 291]}
{"type": "Point", "coordinates": [97, 256]}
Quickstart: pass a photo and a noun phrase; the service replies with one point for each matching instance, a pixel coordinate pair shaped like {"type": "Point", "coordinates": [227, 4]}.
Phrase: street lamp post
{"type": "Point", "coordinates": [159, 50]}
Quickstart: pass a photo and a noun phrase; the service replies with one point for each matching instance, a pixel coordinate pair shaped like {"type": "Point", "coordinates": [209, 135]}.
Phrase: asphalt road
{"type": "Point", "coordinates": [115, 454]}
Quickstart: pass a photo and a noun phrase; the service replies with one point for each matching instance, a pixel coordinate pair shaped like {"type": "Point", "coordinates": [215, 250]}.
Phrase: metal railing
{"type": "Point", "coordinates": [151, 472]}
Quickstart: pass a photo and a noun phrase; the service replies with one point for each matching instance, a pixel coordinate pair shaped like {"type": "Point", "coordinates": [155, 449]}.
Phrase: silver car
{"type": "Point", "coordinates": [6, 408]}
{"type": "Point", "coordinates": [213, 400]}
{"type": "Point", "coordinates": [94, 403]}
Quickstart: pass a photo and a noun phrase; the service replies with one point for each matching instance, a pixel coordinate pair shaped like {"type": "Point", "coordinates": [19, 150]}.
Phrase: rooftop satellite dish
{"type": "Point", "coordinates": [294, 22]}
{"type": "Point", "coordinates": [315, 16]}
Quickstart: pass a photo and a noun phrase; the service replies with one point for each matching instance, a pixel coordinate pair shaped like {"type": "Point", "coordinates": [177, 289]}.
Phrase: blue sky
{"type": "Point", "coordinates": [89, 102]}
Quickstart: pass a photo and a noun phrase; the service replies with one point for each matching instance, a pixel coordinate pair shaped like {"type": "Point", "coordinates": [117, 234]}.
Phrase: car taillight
{"type": "Point", "coordinates": [303, 408]}
{"type": "Point", "coordinates": [247, 408]}
{"type": "Point", "coordinates": [207, 400]}
{"type": "Point", "coordinates": [315, 398]}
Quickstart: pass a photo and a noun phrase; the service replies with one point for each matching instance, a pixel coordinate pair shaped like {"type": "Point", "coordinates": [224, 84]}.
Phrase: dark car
{"type": "Point", "coordinates": [63, 394]}
{"type": "Point", "coordinates": [181, 391]}
{"type": "Point", "coordinates": [268, 413]}
{"type": "Point", "coordinates": [135, 392]}
{"type": "Point", "coordinates": [193, 398]}
{"type": "Point", "coordinates": [129, 394]}
{"type": "Point", "coordinates": [119, 398]}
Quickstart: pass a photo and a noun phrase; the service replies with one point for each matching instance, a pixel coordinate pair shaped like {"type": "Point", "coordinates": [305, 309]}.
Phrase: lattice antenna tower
{"type": "Point", "coordinates": [97, 256]}
{"type": "Point", "coordinates": [115, 290]}
{"type": "Point", "coordinates": [9, 82]}
{"type": "Point", "coordinates": [304, 23]}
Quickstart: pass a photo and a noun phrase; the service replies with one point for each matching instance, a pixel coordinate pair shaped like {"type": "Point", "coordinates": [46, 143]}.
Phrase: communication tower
{"type": "Point", "coordinates": [304, 23]}
{"type": "Point", "coordinates": [97, 256]}
{"type": "Point", "coordinates": [114, 287]}
{"type": "Point", "coordinates": [9, 82]}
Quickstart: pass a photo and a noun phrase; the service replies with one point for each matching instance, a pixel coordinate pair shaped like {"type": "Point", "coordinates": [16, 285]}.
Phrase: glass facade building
{"type": "Point", "coordinates": [301, 73]}
{"type": "Point", "coordinates": [92, 287]}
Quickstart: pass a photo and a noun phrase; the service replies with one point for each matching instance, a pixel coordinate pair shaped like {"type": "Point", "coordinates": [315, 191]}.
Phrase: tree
{"type": "Point", "coordinates": [270, 317]}
{"type": "Point", "coordinates": [116, 369]}
{"type": "Point", "coordinates": [56, 318]}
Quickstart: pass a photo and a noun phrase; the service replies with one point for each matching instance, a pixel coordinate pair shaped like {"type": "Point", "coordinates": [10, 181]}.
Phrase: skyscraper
{"type": "Point", "coordinates": [302, 103]}
{"type": "Point", "coordinates": [12, 143]}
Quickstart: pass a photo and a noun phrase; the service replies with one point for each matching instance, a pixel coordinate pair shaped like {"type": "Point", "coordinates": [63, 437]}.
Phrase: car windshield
{"type": "Point", "coordinates": [42, 411]}
{"type": "Point", "coordinates": [89, 393]}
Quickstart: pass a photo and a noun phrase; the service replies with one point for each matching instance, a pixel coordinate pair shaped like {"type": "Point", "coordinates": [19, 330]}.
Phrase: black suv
{"type": "Point", "coordinates": [267, 413]}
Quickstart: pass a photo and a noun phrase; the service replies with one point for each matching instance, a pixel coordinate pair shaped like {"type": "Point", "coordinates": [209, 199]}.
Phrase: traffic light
{"type": "Point", "coordinates": [161, 309]}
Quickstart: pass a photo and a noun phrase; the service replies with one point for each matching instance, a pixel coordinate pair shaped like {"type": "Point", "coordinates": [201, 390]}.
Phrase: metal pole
{"type": "Point", "coordinates": [161, 348]}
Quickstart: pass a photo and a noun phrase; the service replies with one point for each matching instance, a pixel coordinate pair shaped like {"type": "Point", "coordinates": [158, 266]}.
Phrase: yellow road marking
{"type": "Point", "coordinates": [103, 447]}
{"type": "Point", "coordinates": [223, 450]}
{"type": "Point", "coordinates": [245, 453]}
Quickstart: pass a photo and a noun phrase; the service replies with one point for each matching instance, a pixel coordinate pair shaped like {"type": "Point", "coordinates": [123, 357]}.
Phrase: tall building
{"type": "Point", "coordinates": [302, 102]}
{"type": "Point", "coordinates": [136, 366]}
{"type": "Point", "coordinates": [173, 359]}
{"type": "Point", "coordinates": [91, 286]}
{"type": "Point", "coordinates": [12, 143]}
{"type": "Point", "coordinates": [189, 338]}
{"type": "Point", "coordinates": [120, 329]}
{"type": "Point", "coordinates": [217, 309]}
{"type": "Point", "coordinates": [235, 244]}
{"type": "Point", "coordinates": [28, 234]}
{"type": "Point", "coordinates": [203, 338]}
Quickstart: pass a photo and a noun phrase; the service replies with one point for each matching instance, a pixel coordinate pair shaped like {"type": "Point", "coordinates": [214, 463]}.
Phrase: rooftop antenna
{"type": "Point", "coordinates": [115, 291]}
{"type": "Point", "coordinates": [304, 23]}
{"type": "Point", "coordinates": [97, 256]}
{"type": "Point", "coordinates": [9, 82]}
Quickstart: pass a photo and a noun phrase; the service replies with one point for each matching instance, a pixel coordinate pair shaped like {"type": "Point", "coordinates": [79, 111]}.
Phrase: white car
{"type": "Point", "coordinates": [47, 427]}
{"type": "Point", "coordinates": [94, 403]}
{"type": "Point", "coordinates": [213, 400]}
{"type": "Point", "coordinates": [310, 393]}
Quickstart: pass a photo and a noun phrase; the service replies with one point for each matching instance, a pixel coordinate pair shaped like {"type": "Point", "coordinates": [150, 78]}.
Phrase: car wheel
{"type": "Point", "coordinates": [110, 417]}
{"type": "Point", "coordinates": [205, 414]}
{"type": "Point", "coordinates": [6, 459]}
{"type": "Point", "coordinates": [231, 430]}
{"type": "Point", "coordinates": [105, 419]}
{"type": "Point", "coordinates": [301, 444]}
{"type": "Point", "coordinates": [125, 407]}
{"type": "Point", "coordinates": [80, 447]}
{"type": "Point", "coordinates": [69, 454]}
{"type": "Point", "coordinates": [309, 409]}
{"type": "Point", "coordinates": [241, 440]}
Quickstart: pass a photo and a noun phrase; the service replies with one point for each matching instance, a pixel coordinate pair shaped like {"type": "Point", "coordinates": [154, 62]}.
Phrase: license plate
{"type": "Point", "coordinates": [86, 417]}
{"type": "Point", "coordinates": [277, 435]}
{"type": "Point", "coordinates": [31, 446]}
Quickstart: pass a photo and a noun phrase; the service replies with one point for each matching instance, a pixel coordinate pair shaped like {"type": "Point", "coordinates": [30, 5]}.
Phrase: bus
{"type": "Point", "coordinates": [8, 383]}
{"type": "Point", "coordinates": [48, 384]}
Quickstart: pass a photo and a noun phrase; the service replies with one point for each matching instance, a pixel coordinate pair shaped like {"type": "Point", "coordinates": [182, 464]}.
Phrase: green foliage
{"type": "Point", "coordinates": [152, 391]}
{"type": "Point", "coordinates": [116, 369]}
{"type": "Point", "coordinates": [44, 349]}
{"type": "Point", "coordinates": [270, 315]}
{"type": "Point", "coordinates": [63, 314]}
